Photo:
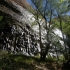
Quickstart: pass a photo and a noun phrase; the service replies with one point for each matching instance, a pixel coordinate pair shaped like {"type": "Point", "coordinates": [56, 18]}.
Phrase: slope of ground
{"type": "Point", "coordinates": [20, 62]}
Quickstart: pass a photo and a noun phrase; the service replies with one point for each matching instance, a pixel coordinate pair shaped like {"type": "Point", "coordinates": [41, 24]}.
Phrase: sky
{"type": "Point", "coordinates": [68, 13]}
{"type": "Point", "coordinates": [29, 1]}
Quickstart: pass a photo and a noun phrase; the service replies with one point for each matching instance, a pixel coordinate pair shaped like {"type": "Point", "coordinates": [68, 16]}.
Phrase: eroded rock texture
{"type": "Point", "coordinates": [16, 35]}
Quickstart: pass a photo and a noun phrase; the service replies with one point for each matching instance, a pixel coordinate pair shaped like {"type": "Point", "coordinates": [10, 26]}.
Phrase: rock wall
{"type": "Point", "coordinates": [16, 35]}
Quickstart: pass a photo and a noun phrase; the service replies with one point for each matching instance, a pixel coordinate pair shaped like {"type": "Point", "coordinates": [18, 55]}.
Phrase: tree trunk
{"type": "Point", "coordinates": [45, 52]}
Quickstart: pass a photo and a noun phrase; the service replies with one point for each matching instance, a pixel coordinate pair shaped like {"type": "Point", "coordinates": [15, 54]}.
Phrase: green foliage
{"type": "Point", "coordinates": [4, 23]}
{"type": "Point", "coordinates": [18, 62]}
{"type": "Point", "coordinates": [38, 4]}
{"type": "Point", "coordinates": [51, 59]}
{"type": "Point", "coordinates": [1, 17]}
{"type": "Point", "coordinates": [55, 23]}
{"type": "Point", "coordinates": [61, 58]}
{"type": "Point", "coordinates": [50, 9]}
{"type": "Point", "coordinates": [1, 23]}
{"type": "Point", "coordinates": [24, 59]}
{"type": "Point", "coordinates": [65, 25]}
{"type": "Point", "coordinates": [66, 29]}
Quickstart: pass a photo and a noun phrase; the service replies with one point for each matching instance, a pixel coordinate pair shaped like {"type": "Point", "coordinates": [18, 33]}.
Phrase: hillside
{"type": "Point", "coordinates": [20, 62]}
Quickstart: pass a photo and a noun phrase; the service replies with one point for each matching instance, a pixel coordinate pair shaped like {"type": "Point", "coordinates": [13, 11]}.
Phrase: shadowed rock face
{"type": "Point", "coordinates": [15, 13]}
{"type": "Point", "coordinates": [15, 8]}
